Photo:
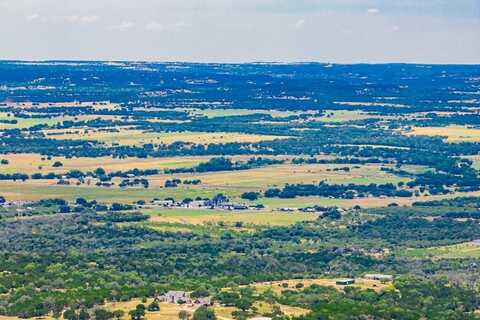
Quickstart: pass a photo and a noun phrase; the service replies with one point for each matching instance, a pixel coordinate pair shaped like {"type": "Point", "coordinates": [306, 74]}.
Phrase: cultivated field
{"type": "Point", "coordinates": [452, 133]}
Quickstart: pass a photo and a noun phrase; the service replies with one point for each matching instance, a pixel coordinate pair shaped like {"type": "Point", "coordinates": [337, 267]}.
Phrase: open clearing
{"type": "Point", "coordinates": [203, 216]}
{"type": "Point", "coordinates": [476, 161]}
{"type": "Point", "coordinates": [214, 113]}
{"type": "Point", "coordinates": [32, 190]}
{"type": "Point", "coordinates": [167, 311]}
{"type": "Point", "coordinates": [138, 138]}
{"type": "Point", "coordinates": [452, 133]}
{"type": "Point", "coordinates": [278, 286]}
{"type": "Point", "coordinates": [170, 311]}
{"type": "Point", "coordinates": [363, 202]}
{"type": "Point", "coordinates": [26, 122]}
{"type": "Point", "coordinates": [278, 175]}
{"type": "Point", "coordinates": [333, 116]}
{"type": "Point", "coordinates": [30, 163]}
{"type": "Point", "coordinates": [457, 251]}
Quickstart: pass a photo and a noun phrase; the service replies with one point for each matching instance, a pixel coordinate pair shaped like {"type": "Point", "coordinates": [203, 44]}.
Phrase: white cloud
{"type": "Point", "coordinates": [82, 19]}
{"type": "Point", "coordinates": [154, 26]}
{"type": "Point", "coordinates": [396, 28]}
{"type": "Point", "coordinates": [299, 24]}
{"type": "Point", "coordinates": [373, 11]}
{"type": "Point", "coordinates": [125, 25]}
{"type": "Point", "coordinates": [31, 17]}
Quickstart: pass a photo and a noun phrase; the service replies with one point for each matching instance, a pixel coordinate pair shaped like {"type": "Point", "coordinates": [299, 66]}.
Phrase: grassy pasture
{"type": "Point", "coordinates": [167, 311]}
{"type": "Point", "coordinates": [457, 251]}
{"type": "Point", "coordinates": [278, 175]}
{"type": "Point", "coordinates": [137, 137]}
{"type": "Point", "coordinates": [170, 311]}
{"type": "Point", "coordinates": [452, 133]}
{"type": "Point", "coordinates": [363, 202]}
{"type": "Point", "coordinates": [202, 216]}
{"type": "Point", "coordinates": [32, 190]}
{"type": "Point", "coordinates": [44, 189]}
{"type": "Point", "coordinates": [333, 116]}
{"type": "Point", "coordinates": [26, 122]}
{"type": "Point", "coordinates": [30, 122]}
{"type": "Point", "coordinates": [475, 160]}
{"type": "Point", "coordinates": [277, 286]}
{"type": "Point", "coordinates": [215, 113]}
{"type": "Point", "coordinates": [29, 163]}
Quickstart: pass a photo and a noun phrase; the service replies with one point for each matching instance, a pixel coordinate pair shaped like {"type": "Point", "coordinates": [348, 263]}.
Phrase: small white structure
{"type": "Point", "coordinates": [379, 277]}
{"type": "Point", "coordinates": [344, 282]}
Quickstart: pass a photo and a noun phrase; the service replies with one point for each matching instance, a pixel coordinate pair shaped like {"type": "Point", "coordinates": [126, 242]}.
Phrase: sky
{"type": "Point", "coordinates": [337, 31]}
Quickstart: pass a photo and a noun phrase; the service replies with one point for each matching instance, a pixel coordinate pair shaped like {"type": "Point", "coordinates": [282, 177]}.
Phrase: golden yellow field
{"type": "Point", "coordinates": [170, 311]}
{"type": "Point", "coordinates": [452, 133]}
{"type": "Point", "coordinates": [167, 311]}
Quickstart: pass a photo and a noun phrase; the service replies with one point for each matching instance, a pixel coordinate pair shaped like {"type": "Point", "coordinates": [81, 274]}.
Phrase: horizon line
{"type": "Point", "coordinates": [258, 62]}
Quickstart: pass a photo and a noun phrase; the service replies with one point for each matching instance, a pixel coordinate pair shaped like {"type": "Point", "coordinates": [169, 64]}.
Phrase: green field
{"type": "Point", "coordinates": [278, 175]}
{"type": "Point", "coordinates": [214, 113]}
{"type": "Point", "coordinates": [32, 163]}
{"type": "Point", "coordinates": [37, 191]}
{"type": "Point", "coordinates": [458, 251]}
{"type": "Point", "coordinates": [26, 122]}
{"type": "Point", "coordinates": [203, 216]}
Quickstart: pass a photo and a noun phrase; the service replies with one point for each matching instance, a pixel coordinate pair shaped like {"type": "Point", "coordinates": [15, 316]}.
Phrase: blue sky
{"type": "Point", "coordinates": [342, 31]}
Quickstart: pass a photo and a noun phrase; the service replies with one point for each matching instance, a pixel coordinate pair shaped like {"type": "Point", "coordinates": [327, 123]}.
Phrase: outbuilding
{"type": "Point", "coordinates": [345, 282]}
